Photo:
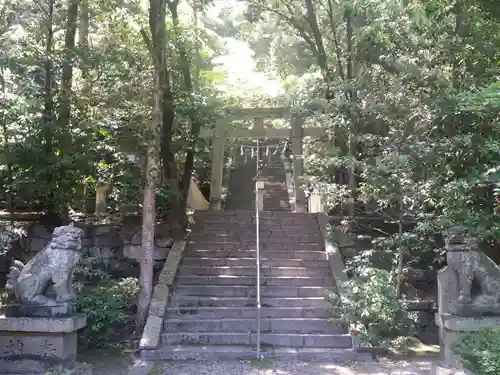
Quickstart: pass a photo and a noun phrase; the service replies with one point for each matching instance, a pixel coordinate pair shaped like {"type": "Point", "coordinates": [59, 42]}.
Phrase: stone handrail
{"type": "Point", "coordinates": [154, 324]}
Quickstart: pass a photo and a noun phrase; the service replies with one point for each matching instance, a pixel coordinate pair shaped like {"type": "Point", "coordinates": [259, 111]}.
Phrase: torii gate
{"type": "Point", "coordinates": [221, 132]}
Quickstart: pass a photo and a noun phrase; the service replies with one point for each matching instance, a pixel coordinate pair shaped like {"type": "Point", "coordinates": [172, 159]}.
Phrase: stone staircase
{"type": "Point", "coordinates": [212, 311]}
{"type": "Point", "coordinates": [242, 184]}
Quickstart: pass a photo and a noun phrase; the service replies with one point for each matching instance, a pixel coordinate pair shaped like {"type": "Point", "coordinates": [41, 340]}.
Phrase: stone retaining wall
{"type": "Point", "coordinates": [110, 244]}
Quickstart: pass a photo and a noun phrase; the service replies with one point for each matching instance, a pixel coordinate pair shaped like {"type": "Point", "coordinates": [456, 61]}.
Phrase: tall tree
{"type": "Point", "coordinates": [65, 97]}
{"type": "Point", "coordinates": [157, 10]}
{"type": "Point", "coordinates": [185, 65]}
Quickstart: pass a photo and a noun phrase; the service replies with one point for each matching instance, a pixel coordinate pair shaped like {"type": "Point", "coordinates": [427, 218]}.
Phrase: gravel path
{"type": "Point", "coordinates": [119, 366]}
{"type": "Point", "coordinates": [381, 367]}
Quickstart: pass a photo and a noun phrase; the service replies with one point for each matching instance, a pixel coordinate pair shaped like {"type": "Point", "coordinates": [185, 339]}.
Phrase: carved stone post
{"type": "Point", "coordinates": [101, 195]}
{"type": "Point", "coordinates": [217, 165]}
{"type": "Point", "coordinates": [261, 192]}
{"type": "Point", "coordinates": [298, 164]}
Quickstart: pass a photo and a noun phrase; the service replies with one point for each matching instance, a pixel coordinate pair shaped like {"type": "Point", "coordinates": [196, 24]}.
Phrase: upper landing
{"type": "Point", "coordinates": [241, 187]}
{"type": "Point", "coordinates": [295, 133]}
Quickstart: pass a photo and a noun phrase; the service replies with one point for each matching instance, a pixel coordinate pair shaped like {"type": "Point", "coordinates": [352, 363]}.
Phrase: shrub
{"type": "Point", "coordinates": [107, 306]}
{"type": "Point", "coordinates": [371, 306]}
{"type": "Point", "coordinates": [480, 351]}
{"type": "Point", "coordinates": [8, 234]}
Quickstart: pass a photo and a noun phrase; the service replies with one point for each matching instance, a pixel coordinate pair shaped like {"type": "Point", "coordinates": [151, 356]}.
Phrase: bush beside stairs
{"type": "Point", "coordinates": [212, 311]}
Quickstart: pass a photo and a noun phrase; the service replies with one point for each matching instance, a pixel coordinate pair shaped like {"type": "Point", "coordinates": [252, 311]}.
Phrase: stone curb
{"type": "Point", "coordinates": [444, 370]}
{"type": "Point", "coordinates": [140, 367]}
{"type": "Point", "coordinates": [152, 330]}
{"type": "Point", "coordinates": [337, 267]}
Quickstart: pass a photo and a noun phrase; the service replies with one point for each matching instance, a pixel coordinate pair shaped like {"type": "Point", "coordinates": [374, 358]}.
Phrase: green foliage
{"type": "Point", "coordinates": [9, 233]}
{"type": "Point", "coordinates": [107, 306]}
{"type": "Point", "coordinates": [51, 163]}
{"type": "Point", "coordinates": [480, 351]}
{"type": "Point", "coordinates": [3, 298]}
{"type": "Point", "coordinates": [130, 193]}
{"type": "Point", "coordinates": [370, 304]}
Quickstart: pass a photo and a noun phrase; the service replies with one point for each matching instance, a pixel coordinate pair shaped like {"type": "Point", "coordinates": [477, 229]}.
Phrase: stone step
{"type": "Point", "coordinates": [233, 245]}
{"type": "Point", "coordinates": [247, 222]}
{"type": "Point", "coordinates": [193, 301]}
{"type": "Point", "coordinates": [243, 242]}
{"type": "Point", "coordinates": [214, 244]}
{"type": "Point", "coordinates": [196, 313]}
{"type": "Point", "coordinates": [249, 280]}
{"type": "Point", "coordinates": [293, 340]}
{"type": "Point", "coordinates": [250, 225]}
{"type": "Point", "coordinates": [249, 228]}
{"type": "Point", "coordinates": [219, 252]}
{"type": "Point", "coordinates": [265, 262]}
{"type": "Point", "coordinates": [267, 325]}
{"type": "Point", "coordinates": [264, 228]}
{"type": "Point", "coordinates": [251, 271]}
{"type": "Point", "coordinates": [265, 236]}
{"type": "Point", "coordinates": [250, 291]}
{"type": "Point", "coordinates": [233, 214]}
{"type": "Point", "coordinates": [241, 352]}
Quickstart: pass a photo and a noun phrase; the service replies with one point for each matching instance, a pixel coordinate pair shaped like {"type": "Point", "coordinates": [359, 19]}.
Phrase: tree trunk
{"type": "Point", "coordinates": [3, 121]}
{"type": "Point", "coordinates": [83, 44]}
{"type": "Point", "coordinates": [195, 123]}
{"type": "Point", "coordinates": [401, 257]}
{"type": "Point", "coordinates": [169, 166]}
{"type": "Point", "coordinates": [83, 36]}
{"type": "Point", "coordinates": [322, 58]}
{"type": "Point", "coordinates": [48, 108]}
{"type": "Point", "coordinates": [64, 108]}
{"type": "Point", "coordinates": [157, 10]}
{"type": "Point", "coordinates": [352, 97]}
{"type": "Point", "coordinates": [170, 172]}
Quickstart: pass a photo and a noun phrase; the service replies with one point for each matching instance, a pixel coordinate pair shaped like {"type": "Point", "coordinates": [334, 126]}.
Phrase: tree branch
{"type": "Point", "coordinates": [338, 52]}
{"type": "Point", "coordinates": [293, 21]}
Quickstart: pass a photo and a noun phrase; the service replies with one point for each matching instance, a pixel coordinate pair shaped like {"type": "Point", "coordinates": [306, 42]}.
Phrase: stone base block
{"type": "Point", "coordinates": [443, 370]}
{"type": "Point", "coordinates": [450, 329]}
{"type": "Point", "coordinates": [58, 310]}
{"type": "Point", "coordinates": [35, 345]}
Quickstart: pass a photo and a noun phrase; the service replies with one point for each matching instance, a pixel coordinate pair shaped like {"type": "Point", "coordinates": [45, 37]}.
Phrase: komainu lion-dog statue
{"type": "Point", "coordinates": [53, 266]}
{"type": "Point", "coordinates": [476, 275]}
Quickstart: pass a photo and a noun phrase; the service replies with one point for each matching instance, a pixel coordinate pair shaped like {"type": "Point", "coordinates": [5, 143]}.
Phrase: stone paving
{"type": "Point", "coordinates": [383, 366]}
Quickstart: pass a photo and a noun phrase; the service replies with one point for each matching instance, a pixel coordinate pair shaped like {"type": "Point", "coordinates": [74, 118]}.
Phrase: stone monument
{"type": "Point", "coordinates": [468, 294]}
{"type": "Point", "coordinates": [39, 329]}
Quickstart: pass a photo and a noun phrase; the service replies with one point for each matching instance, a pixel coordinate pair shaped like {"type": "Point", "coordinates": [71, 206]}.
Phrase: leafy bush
{"type": "Point", "coordinates": [3, 298]}
{"type": "Point", "coordinates": [90, 269]}
{"type": "Point", "coordinates": [371, 306]}
{"type": "Point", "coordinates": [480, 351]}
{"type": "Point", "coordinates": [8, 234]}
{"type": "Point", "coordinates": [107, 306]}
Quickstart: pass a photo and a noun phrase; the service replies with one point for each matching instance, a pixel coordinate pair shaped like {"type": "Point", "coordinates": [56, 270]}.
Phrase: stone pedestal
{"type": "Point", "coordinates": [450, 328]}
{"type": "Point", "coordinates": [31, 345]}
{"type": "Point", "coordinates": [63, 309]}
{"type": "Point", "coordinates": [444, 370]}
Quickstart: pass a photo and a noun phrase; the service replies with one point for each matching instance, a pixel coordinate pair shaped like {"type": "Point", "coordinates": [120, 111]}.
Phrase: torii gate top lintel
{"type": "Point", "coordinates": [221, 132]}
{"type": "Point", "coordinates": [258, 115]}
